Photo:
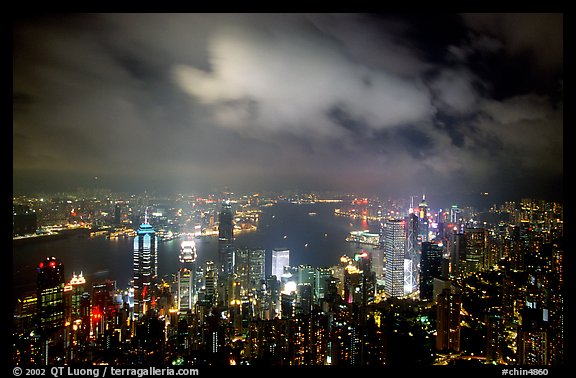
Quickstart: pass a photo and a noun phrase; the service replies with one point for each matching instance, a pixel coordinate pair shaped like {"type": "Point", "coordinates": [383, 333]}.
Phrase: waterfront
{"type": "Point", "coordinates": [317, 240]}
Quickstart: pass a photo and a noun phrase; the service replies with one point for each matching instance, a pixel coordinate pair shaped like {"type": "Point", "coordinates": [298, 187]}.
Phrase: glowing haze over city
{"type": "Point", "coordinates": [206, 190]}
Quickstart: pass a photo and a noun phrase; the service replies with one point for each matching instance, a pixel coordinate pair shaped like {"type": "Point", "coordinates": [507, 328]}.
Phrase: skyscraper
{"type": "Point", "coordinates": [423, 211]}
{"type": "Point", "coordinates": [250, 268]}
{"type": "Point", "coordinates": [476, 249]}
{"type": "Point", "coordinates": [50, 305]}
{"type": "Point", "coordinates": [187, 276]}
{"type": "Point", "coordinates": [280, 259]}
{"type": "Point", "coordinates": [145, 266]}
{"type": "Point", "coordinates": [50, 294]}
{"type": "Point", "coordinates": [448, 321]}
{"type": "Point", "coordinates": [226, 240]}
{"type": "Point", "coordinates": [394, 250]}
{"type": "Point", "coordinates": [412, 253]}
{"type": "Point", "coordinates": [431, 268]}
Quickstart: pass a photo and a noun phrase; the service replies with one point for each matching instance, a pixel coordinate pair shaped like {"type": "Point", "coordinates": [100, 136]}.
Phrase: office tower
{"type": "Point", "coordinates": [394, 250]}
{"type": "Point", "coordinates": [117, 214]}
{"type": "Point", "coordinates": [145, 266]}
{"type": "Point", "coordinates": [431, 267]}
{"type": "Point", "coordinates": [210, 278]}
{"type": "Point", "coordinates": [187, 276]}
{"type": "Point", "coordinates": [457, 248]}
{"type": "Point", "coordinates": [322, 278]}
{"type": "Point", "coordinates": [454, 210]}
{"type": "Point", "coordinates": [226, 241]}
{"type": "Point", "coordinates": [184, 299]}
{"type": "Point", "coordinates": [423, 223]}
{"type": "Point", "coordinates": [50, 306]}
{"type": "Point", "coordinates": [77, 287]}
{"type": "Point", "coordinates": [280, 259]}
{"type": "Point", "coordinates": [476, 249]}
{"type": "Point", "coordinates": [305, 275]}
{"type": "Point", "coordinates": [235, 305]}
{"type": "Point", "coordinates": [250, 268]}
{"type": "Point", "coordinates": [412, 254]}
{"type": "Point", "coordinates": [50, 294]}
{"type": "Point", "coordinates": [448, 321]}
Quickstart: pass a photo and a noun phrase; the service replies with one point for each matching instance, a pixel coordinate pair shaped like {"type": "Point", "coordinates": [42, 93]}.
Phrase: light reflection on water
{"type": "Point", "coordinates": [317, 240]}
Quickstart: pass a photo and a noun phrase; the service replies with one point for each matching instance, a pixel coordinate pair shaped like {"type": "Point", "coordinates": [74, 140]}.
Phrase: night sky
{"type": "Point", "coordinates": [388, 104]}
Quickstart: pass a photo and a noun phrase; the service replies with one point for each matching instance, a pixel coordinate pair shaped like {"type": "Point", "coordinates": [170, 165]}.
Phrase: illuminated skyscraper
{"type": "Point", "coordinates": [423, 212]}
{"type": "Point", "coordinates": [210, 278]}
{"type": "Point", "coordinates": [50, 306]}
{"type": "Point", "coordinates": [394, 250]}
{"type": "Point", "coordinates": [476, 249]}
{"type": "Point", "coordinates": [145, 266]}
{"type": "Point", "coordinates": [187, 276]}
{"type": "Point", "coordinates": [280, 259]}
{"type": "Point", "coordinates": [413, 248]}
{"type": "Point", "coordinates": [226, 240]}
{"type": "Point", "coordinates": [250, 268]}
{"type": "Point", "coordinates": [50, 294]}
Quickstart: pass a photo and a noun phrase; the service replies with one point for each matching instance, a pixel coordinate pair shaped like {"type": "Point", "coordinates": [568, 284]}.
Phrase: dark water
{"type": "Point", "coordinates": [317, 240]}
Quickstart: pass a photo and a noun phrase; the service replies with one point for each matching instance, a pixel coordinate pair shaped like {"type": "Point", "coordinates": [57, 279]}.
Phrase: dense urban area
{"type": "Point", "coordinates": [429, 285]}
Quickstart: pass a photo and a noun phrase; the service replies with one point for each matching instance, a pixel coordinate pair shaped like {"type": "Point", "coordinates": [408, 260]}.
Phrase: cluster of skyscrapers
{"type": "Point", "coordinates": [438, 288]}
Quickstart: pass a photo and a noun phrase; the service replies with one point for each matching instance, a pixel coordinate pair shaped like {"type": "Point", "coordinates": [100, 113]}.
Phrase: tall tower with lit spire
{"type": "Point", "coordinates": [423, 211]}
{"type": "Point", "coordinates": [145, 266]}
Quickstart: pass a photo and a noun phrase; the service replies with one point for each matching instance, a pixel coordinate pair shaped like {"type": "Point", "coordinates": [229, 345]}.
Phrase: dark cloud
{"type": "Point", "coordinates": [388, 104]}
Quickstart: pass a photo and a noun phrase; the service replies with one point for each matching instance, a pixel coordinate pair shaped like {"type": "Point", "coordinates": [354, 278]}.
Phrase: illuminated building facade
{"type": "Point", "coordinates": [280, 259]}
{"type": "Point", "coordinates": [423, 219]}
{"type": "Point", "coordinates": [145, 267]}
{"type": "Point", "coordinates": [250, 268]}
{"type": "Point", "coordinates": [50, 306]}
{"type": "Point", "coordinates": [187, 276]}
{"type": "Point", "coordinates": [476, 250]}
{"type": "Point", "coordinates": [394, 250]}
{"type": "Point", "coordinates": [413, 247]}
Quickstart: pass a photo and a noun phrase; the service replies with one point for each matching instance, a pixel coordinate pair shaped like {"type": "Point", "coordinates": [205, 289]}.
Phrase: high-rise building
{"type": "Point", "coordinates": [413, 248]}
{"type": "Point", "coordinates": [423, 213]}
{"type": "Point", "coordinates": [457, 248]}
{"type": "Point", "coordinates": [280, 259]}
{"type": "Point", "coordinates": [431, 268]}
{"type": "Point", "coordinates": [50, 294]}
{"type": "Point", "coordinates": [448, 321]}
{"type": "Point", "coordinates": [476, 249]}
{"type": "Point", "coordinates": [50, 306]}
{"type": "Point", "coordinates": [187, 290]}
{"type": "Point", "coordinates": [394, 250]}
{"type": "Point", "coordinates": [145, 267]}
{"type": "Point", "coordinates": [118, 214]}
{"type": "Point", "coordinates": [250, 268]}
{"type": "Point", "coordinates": [184, 300]}
{"type": "Point", "coordinates": [210, 278]}
{"type": "Point", "coordinates": [454, 210]}
{"type": "Point", "coordinates": [226, 240]}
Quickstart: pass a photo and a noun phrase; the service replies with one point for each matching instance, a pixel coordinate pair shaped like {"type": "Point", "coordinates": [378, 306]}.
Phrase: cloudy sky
{"type": "Point", "coordinates": [386, 104]}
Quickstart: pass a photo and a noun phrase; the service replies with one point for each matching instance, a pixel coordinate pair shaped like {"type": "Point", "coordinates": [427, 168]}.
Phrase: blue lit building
{"type": "Point", "coordinates": [145, 267]}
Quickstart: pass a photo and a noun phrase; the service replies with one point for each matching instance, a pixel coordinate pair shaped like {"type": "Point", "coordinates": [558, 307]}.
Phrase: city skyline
{"type": "Point", "coordinates": [393, 104]}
